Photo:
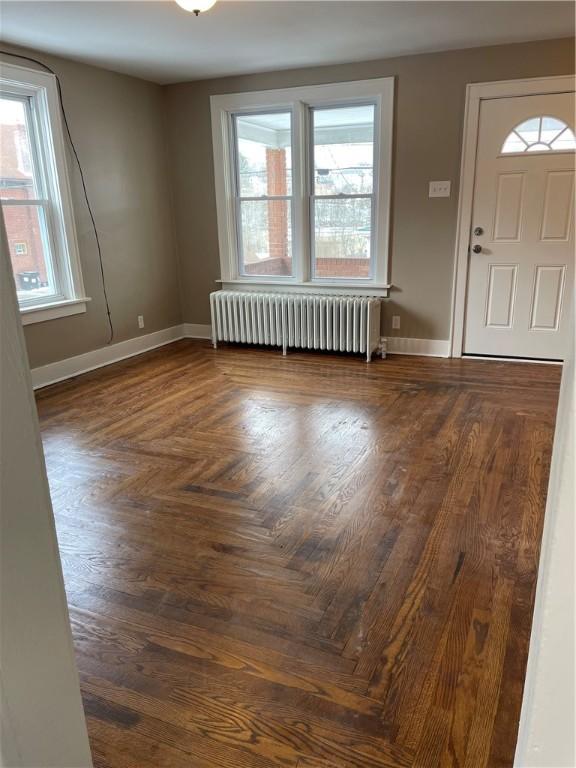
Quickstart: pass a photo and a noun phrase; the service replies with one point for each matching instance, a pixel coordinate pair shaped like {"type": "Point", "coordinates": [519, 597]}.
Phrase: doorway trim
{"type": "Point", "coordinates": [475, 93]}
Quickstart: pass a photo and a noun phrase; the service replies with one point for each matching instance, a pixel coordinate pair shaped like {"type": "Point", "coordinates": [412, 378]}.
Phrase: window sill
{"type": "Point", "coordinates": [43, 312]}
{"type": "Point", "coordinates": [346, 289]}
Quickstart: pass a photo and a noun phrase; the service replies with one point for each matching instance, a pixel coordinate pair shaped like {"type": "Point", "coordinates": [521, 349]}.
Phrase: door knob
{"type": "Point", "coordinates": [477, 248]}
{"type": "Point", "coordinates": [478, 231]}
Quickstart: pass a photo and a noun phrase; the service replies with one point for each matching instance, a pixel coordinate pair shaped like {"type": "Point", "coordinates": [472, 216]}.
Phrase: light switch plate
{"type": "Point", "coordinates": [439, 189]}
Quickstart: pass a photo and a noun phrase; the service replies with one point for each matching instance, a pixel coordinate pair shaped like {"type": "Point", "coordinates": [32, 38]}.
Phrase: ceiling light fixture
{"type": "Point", "coordinates": [196, 6]}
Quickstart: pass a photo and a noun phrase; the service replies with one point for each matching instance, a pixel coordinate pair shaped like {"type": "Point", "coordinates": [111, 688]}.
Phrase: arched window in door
{"type": "Point", "coordinates": [540, 134]}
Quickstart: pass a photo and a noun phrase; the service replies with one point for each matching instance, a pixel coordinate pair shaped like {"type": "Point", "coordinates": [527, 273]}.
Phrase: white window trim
{"type": "Point", "coordinates": [381, 92]}
{"type": "Point", "coordinates": [43, 86]}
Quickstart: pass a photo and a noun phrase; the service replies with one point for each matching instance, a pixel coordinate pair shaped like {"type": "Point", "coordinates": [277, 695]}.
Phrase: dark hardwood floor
{"type": "Point", "coordinates": [304, 561]}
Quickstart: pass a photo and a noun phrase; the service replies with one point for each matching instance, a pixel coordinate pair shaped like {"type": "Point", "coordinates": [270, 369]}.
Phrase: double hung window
{"type": "Point", "coordinates": [35, 196]}
{"type": "Point", "coordinates": [303, 185]}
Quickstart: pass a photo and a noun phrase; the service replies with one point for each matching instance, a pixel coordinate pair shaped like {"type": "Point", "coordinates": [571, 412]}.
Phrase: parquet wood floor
{"type": "Point", "coordinates": [303, 561]}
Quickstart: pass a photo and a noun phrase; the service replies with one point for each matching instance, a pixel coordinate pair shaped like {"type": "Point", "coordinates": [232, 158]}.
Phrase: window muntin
{"type": "Point", "coordinates": [264, 200]}
{"type": "Point", "coordinates": [540, 134]}
{"type": "Point", "coordinates": [343, 153]}
{"type": "Point", "coordinates": [35, 196]}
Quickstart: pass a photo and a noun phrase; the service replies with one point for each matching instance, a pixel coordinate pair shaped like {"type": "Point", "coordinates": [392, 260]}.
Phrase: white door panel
{"type": "Point", "coordinates": [520, 284]}
{"type": "Point", "coordinates": [508, 209]}
{"type": "Point", "coordinates": [501, 295]}
{"type": "Point", "coordinates": [547, 298]}
{"type": "Point", "coordinates": [558, 207]}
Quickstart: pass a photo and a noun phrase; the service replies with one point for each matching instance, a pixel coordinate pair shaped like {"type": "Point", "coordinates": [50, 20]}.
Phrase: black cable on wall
{"type": "Point", "coordinates": [48, 69]}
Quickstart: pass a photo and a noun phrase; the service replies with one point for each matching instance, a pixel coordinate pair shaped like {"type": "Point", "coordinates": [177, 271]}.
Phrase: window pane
{"type": "Point", "coordinates": [266, 237]}
{"type": "Point", "coordinates": [16, 176]}
{"type": "Point", "coordinates": [565, 141]}
{"type": "Point", "coordinates": [29, 251]}
{"type": "Point", "coordinates": [343, 150]}
{"type": "Point", "coordinates": [513, 144]}
{"type": "Point", "coordinates": [529, 130]}
{"type": "Point", "coordinates": [264, 154]}
{"type": "Point", "coordinates": [550, 128]}
{"type": "Point", "coordinates": [342, 230]}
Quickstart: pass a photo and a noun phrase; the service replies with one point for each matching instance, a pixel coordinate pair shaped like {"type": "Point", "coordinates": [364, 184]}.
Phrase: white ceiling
{"type": "Point", "coordinates": [161, 42]}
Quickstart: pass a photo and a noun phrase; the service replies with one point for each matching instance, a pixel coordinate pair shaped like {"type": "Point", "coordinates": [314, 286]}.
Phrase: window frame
{"type": "Point", "coordinates": [48, 159]}
{"type": "Point", "coordinates": [300, 101]}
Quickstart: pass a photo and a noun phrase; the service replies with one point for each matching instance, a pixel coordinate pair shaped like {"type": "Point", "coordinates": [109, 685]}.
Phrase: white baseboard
{"type": "Point", "coordinates": [426, 347]}
{"type": "Point", "coordinates": [197, 331]}
{"type": "Point", "coordinates": [494, 359]}
{"type": "Point", "coordinates": [73, 366]}
{"type": "Point", "coordinates": [395, 345]}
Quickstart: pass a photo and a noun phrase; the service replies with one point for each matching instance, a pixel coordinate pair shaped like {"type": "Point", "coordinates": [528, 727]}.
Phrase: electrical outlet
{"type": "Point", "coordinates": [140, 321]}
{"type": "Point", "coordinates": [439, 189]}
{"type": "Point", "coordinates": [396, 322]}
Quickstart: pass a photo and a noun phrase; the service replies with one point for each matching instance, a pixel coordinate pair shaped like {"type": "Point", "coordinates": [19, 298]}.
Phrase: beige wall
{"type": "Point", "coordinates": [430, 93]}
{"type": "Point", "coordinates": [147, 156]}
{"type": "Point", "coordinates": [117, 123]}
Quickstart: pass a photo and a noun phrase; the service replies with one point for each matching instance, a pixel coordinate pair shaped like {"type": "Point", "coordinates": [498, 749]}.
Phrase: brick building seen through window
{"type": "Point", "coordinates": [22, 222]}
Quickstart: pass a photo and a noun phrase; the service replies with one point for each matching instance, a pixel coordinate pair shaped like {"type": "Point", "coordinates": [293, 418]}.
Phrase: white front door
{"type": "Point", "coordinates": [521, 269]}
